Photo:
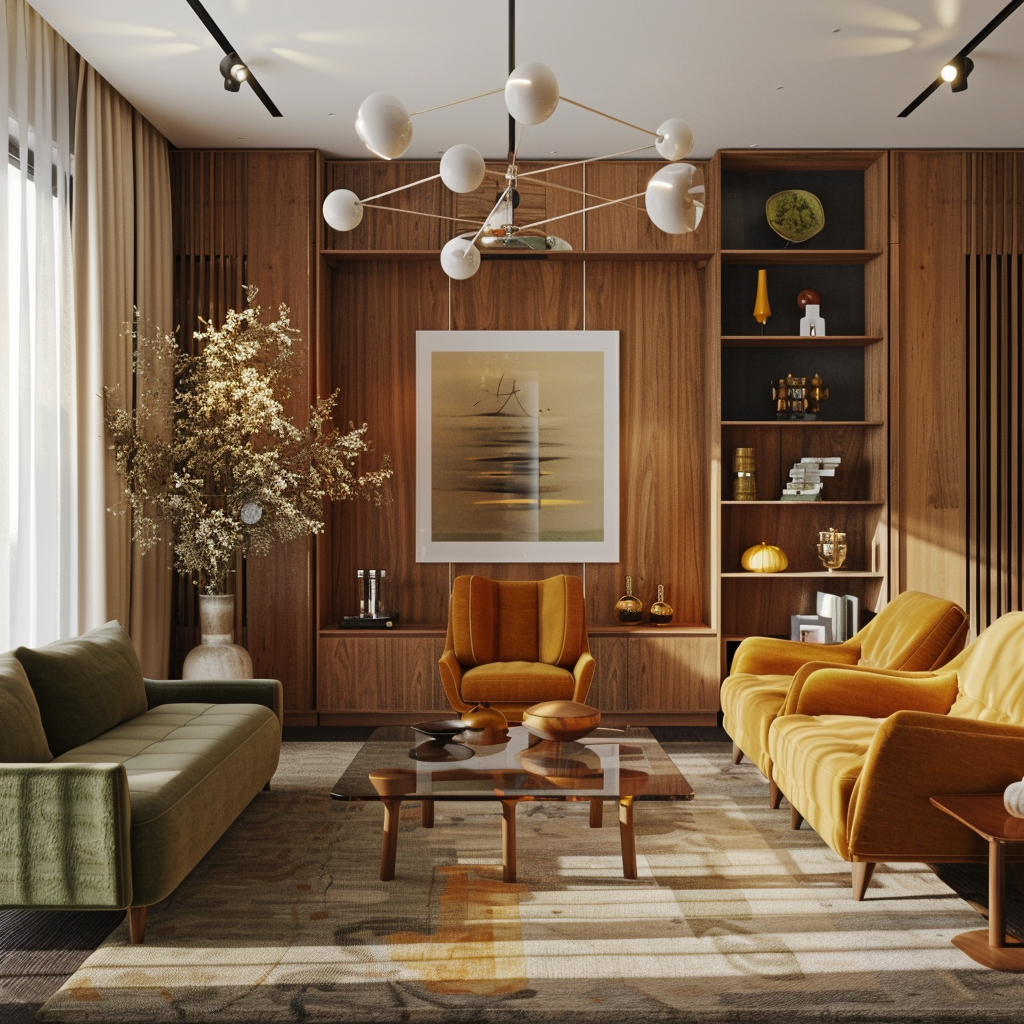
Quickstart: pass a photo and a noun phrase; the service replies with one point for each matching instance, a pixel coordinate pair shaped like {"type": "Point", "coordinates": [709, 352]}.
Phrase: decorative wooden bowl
{"type": "Point", "coordinates": [561, 720]}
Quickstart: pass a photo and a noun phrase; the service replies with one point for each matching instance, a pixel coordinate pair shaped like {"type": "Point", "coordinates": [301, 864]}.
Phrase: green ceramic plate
{"type": "Point", "coordinates": [796, 215]}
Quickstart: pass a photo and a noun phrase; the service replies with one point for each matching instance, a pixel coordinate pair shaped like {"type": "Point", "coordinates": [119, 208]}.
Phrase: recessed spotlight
{"type": "Point", "coordinates": [837, 30]}
{"type": "Point", "coordinates": [779, 88]}
{"type": "Point", "coordinates": [330, 115]}
{"type": "Point", "coordinates": [755, 145]}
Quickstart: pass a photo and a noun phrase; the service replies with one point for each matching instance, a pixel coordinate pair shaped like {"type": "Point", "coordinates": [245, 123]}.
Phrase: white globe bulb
{"type": "Point", "coordinates": [676, 139]}
{"type": "Point", "coordinates": [384, 126]}
{"type": "Point", "coordinates": [460, 259]}
{"type": "Point", "coordinates": [342, 209]}
{"type": "Point", "coordinates": [462, 168]}
{"type": "Point", "coordinates": [531, 92]}
{"type": "Point", "coordinates": [675, 198]}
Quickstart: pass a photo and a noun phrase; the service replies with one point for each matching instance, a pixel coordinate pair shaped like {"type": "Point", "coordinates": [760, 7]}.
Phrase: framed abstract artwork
{"type": "Point", "coordinates": [517, 446]}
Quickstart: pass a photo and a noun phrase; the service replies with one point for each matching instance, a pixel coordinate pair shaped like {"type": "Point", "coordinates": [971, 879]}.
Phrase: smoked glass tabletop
{"type": "Point", "coordinates": [607, 764]}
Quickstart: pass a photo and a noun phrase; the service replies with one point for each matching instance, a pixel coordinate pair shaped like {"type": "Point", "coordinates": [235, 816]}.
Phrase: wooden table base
{"type": "Point", "coordinates": [392, 814]}
{"type": "Point", "coordinates": [1008, 957]}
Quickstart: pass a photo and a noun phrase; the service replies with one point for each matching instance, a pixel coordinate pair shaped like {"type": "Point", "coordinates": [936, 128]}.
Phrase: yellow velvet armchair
{"type": "Point", "coordinates": [914, 632]}
{"type": "Point", "coordinates": [514, 644]}
{"type": "Point", "coordinates": [866, 748]}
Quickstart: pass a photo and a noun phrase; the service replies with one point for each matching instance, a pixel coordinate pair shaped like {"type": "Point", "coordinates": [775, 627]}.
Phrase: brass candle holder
{"type": "Point", "coordinates": [832, 548]}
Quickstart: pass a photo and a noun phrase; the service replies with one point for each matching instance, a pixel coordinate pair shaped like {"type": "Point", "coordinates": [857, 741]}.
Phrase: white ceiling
{"type": "Point", "coordinates": [742, 72]}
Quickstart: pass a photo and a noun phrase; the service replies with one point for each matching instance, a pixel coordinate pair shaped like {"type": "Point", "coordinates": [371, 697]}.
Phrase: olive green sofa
{"type": "Point", "coordinates": [113, 787]}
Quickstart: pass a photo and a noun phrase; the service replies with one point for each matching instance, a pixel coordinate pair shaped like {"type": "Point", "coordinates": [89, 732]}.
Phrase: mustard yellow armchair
{"type": "Point", "coordinates": [514, 644]}
{"type": "Point", "coordinates": [866, 748]}
{"type": "Point", "coordinates": [913, 632]}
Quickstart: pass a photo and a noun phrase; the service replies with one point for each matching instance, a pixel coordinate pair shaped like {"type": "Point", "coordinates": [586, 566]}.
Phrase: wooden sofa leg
{"type": "Point", "coordinates": [266, 788]}
{"type": "Point", "coordinates": [796, 819]}
{"type": "Point", "coordinates": [136, 924]}
{"type": "Point", "coordinates": [861, 876]}
{"type": "Point", "coordinates": [737, 754]}
{"type": "Point", "coordinates": [774, 794]}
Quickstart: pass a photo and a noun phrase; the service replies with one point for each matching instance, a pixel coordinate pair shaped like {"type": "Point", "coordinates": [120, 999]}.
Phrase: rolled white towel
{"type": "Point", "coordinates": [1013, 799]}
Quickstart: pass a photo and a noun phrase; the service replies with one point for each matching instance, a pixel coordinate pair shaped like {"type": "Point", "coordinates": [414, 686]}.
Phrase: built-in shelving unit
{"type": "Point", "coordinates": [846, 262]}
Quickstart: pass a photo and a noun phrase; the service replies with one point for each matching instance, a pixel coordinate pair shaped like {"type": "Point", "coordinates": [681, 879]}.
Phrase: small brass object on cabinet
{"type": "Point", "coordinates": [744, 484]}
{"type": "Point", "coordinates": [832, 548]}
{"type": "Point", "coordinates": [629, 610]}
{"type": "Point", "coordinates": [661, 613]}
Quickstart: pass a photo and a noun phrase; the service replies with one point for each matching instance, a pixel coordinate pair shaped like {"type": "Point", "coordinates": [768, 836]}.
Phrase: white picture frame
{"type": "Point", "coordinates": [517, 446]}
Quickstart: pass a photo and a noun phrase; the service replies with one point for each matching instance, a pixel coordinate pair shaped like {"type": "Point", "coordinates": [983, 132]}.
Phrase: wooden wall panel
{"type": "Point", "coordinates": [928, 364]}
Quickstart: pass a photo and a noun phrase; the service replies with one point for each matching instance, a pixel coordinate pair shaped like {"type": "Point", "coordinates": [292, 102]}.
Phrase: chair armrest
{"type": "Point", "coordinates": [915, 756]}
{"type": "Point", "coordinates": [762, 655]}
{"type": "Point", "coordinates": [875, 693]}
{"type": "Point", "coordinates": [267, 692]}
{"type": "Point", "coordinates": [451, 680]}
{"type": "Point", "coordinates": [65, 840]}
{"type": "Point", "coordinates": [583, 674]}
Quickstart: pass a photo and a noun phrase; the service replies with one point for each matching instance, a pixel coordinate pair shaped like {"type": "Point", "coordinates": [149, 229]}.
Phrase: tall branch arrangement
{"type": "Point", "coordinates": [210, 450]}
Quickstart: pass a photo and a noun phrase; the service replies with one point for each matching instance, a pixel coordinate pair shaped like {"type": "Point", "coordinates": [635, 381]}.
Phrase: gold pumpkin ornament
{"type": "Point", "coordinates": [764, 557]}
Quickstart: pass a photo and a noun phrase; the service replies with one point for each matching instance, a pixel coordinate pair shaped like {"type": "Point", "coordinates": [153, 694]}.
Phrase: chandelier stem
{"type": "Point", "coordinates": [601, 113]}
{"type": "Point", "coordinates": [381, 195]}
{"type": "Point", "coordinates": [576, 213]}
{"type": "Point", "coordinates": [455, 103]}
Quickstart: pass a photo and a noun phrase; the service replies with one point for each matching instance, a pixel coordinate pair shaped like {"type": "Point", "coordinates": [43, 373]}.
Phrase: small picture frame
{"type": "Point", "coordinates": [811, 629]}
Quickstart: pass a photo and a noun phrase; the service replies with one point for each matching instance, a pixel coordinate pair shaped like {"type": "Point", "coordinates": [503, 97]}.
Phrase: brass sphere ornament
{"type": "Point", "coordinates": [629, 610]}
{"type": "Point", "coordinates": [661, 613]}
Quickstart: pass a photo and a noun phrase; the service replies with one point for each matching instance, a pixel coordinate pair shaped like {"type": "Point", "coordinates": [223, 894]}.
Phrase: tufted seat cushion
{"type": "Point", "coordinates": [749, 705]}
{"type": "Point", "coordinates": [190, 769]}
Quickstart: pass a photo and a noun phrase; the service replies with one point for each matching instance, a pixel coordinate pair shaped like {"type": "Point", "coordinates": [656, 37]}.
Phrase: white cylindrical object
{"type": "Point", "coordinates": [1013, 799]}
{"type": "Point", "coordinates": [675, 198]}
{"type": "Point", "coordinates": [342, 209]}
{"type": "Point", "coordinates": [383, 125]}
{"type": "Point", "coordinates": [675, 139]}
{"type": "Point", "coordinates": [531, 92]}
{"type": "Point", "coordinates": [462, 168]}
{"type": "Point", "coordinates": [460, 259]}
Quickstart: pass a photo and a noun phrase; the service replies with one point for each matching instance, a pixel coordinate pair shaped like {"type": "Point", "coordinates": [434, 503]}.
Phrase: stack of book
{"type": "Point", "coordinates": [805, 478]}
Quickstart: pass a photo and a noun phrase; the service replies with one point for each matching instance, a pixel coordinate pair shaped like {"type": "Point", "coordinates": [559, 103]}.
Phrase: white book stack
{"type": "Point", "coordinates": [805, 478]}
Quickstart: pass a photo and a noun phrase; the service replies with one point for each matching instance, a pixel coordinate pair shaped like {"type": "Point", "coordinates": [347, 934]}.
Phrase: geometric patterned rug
{"type": "Point", "coordinates": [734, 917]}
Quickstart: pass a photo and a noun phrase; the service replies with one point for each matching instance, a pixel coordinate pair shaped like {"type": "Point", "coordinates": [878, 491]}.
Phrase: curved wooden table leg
{"type": "Point", "coordinates": [389, 840]}
{"type": "Point", "coordinates": [508, 840]}
{"type": "Point", "coordinates": [596, 813]}
{"type": "Point", "coordinates": [627, 837]}
{"type": "Point", "coordinates": [427, 813]}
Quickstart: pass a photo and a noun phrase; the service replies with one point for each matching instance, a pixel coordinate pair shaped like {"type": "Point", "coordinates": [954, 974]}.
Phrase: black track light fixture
{"type": "Point", "coordinates": [234, 71]}
{"type": "Point", "coordinates": [959, 67]}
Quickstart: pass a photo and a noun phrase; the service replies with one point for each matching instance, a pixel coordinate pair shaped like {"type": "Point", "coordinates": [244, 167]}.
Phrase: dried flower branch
{"type": "Point", "coordinates": [210, 450]}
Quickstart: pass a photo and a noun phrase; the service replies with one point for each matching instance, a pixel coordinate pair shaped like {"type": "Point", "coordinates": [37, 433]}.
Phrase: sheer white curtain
{"type": "Point", "coordinates": [38, 473]}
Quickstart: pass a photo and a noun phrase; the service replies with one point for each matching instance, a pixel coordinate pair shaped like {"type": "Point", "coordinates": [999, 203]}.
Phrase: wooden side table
{"type": "Point", "coordinates": [985, 814]}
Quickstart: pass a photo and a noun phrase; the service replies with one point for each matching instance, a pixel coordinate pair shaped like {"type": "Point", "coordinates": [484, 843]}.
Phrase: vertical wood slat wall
{"type": "Point", "coordinates": [249, 218]}
{"type": "Point", "coordinates": [993, 265]}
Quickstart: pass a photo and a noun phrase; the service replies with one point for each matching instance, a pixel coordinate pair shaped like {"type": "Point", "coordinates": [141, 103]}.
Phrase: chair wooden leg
{"type": "Point", "coordinates": [796, 819]}
{"type": "Point", "coordinates": [861, 876]}
{"type": "Point", "coordinates": [774, 794]}
{"type": "Point", "coordinates": [136, 924]}
{"type": "Point", "coordinates": [737, 754]}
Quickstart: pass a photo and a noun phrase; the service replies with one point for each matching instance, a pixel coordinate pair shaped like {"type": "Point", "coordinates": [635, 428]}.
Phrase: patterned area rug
{"type": "Point", "coordinates": [734, 917]}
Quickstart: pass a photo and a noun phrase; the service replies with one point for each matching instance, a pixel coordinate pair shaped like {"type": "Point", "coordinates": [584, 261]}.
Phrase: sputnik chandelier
{"type": "Point", "coordinates": [674, 197]}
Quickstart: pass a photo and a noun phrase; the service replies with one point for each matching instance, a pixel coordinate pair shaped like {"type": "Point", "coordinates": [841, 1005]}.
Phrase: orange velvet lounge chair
{"type": "Point", "coordinates": [913, 632]}
{"type": "Point", "coordinates": [514, 644]}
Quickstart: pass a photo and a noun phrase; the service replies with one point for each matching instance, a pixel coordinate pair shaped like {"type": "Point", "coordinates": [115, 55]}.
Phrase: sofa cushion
{"type": "Point", "coordinates": [84, 685]}
{"type": "Point", "coordinates": [750, 703]}
{"type": "Point", "coordinates": [192, 769]}
{"type": "Point", "coordinates": [21, 729]}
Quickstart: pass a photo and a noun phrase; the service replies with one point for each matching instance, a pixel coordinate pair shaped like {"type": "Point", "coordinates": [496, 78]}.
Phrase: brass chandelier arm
{"type": "Point", "coordinates": [587, 160]}
{"type": "Point", "coordinates": [576, 213]}
{"type": "Point", "coordinates": [418, 213]}
{"type": "Point", "coordinates": [455, 103]}
{"type": "Point", "coordinates": [579, 192]}
{"type": "Point", "coordinates": [617, 120]}
{"type": "Point", "coordinates": [392, 191]}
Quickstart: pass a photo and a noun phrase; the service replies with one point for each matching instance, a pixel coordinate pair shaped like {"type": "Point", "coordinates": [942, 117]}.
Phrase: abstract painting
{"type": "Point", "coordinates": [517, 446]}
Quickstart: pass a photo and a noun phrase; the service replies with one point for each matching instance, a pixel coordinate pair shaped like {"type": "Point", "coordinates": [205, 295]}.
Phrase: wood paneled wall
{"type": "Point", "coordinates": [958, 228]}
{"type": "Point", "coordinates": [250, 218]}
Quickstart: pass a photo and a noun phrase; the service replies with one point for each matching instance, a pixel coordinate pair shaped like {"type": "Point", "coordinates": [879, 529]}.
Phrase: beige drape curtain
{"type": "Point", "coordinates": [122, 257]}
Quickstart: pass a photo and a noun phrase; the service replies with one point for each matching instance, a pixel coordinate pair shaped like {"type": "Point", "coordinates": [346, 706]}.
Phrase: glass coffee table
{"type": "Point", "coordinates": [624, 765]}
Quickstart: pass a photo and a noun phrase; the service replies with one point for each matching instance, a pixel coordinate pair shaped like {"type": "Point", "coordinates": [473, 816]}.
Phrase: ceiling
{"type": "Point", "coordinates": [789, 73]}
